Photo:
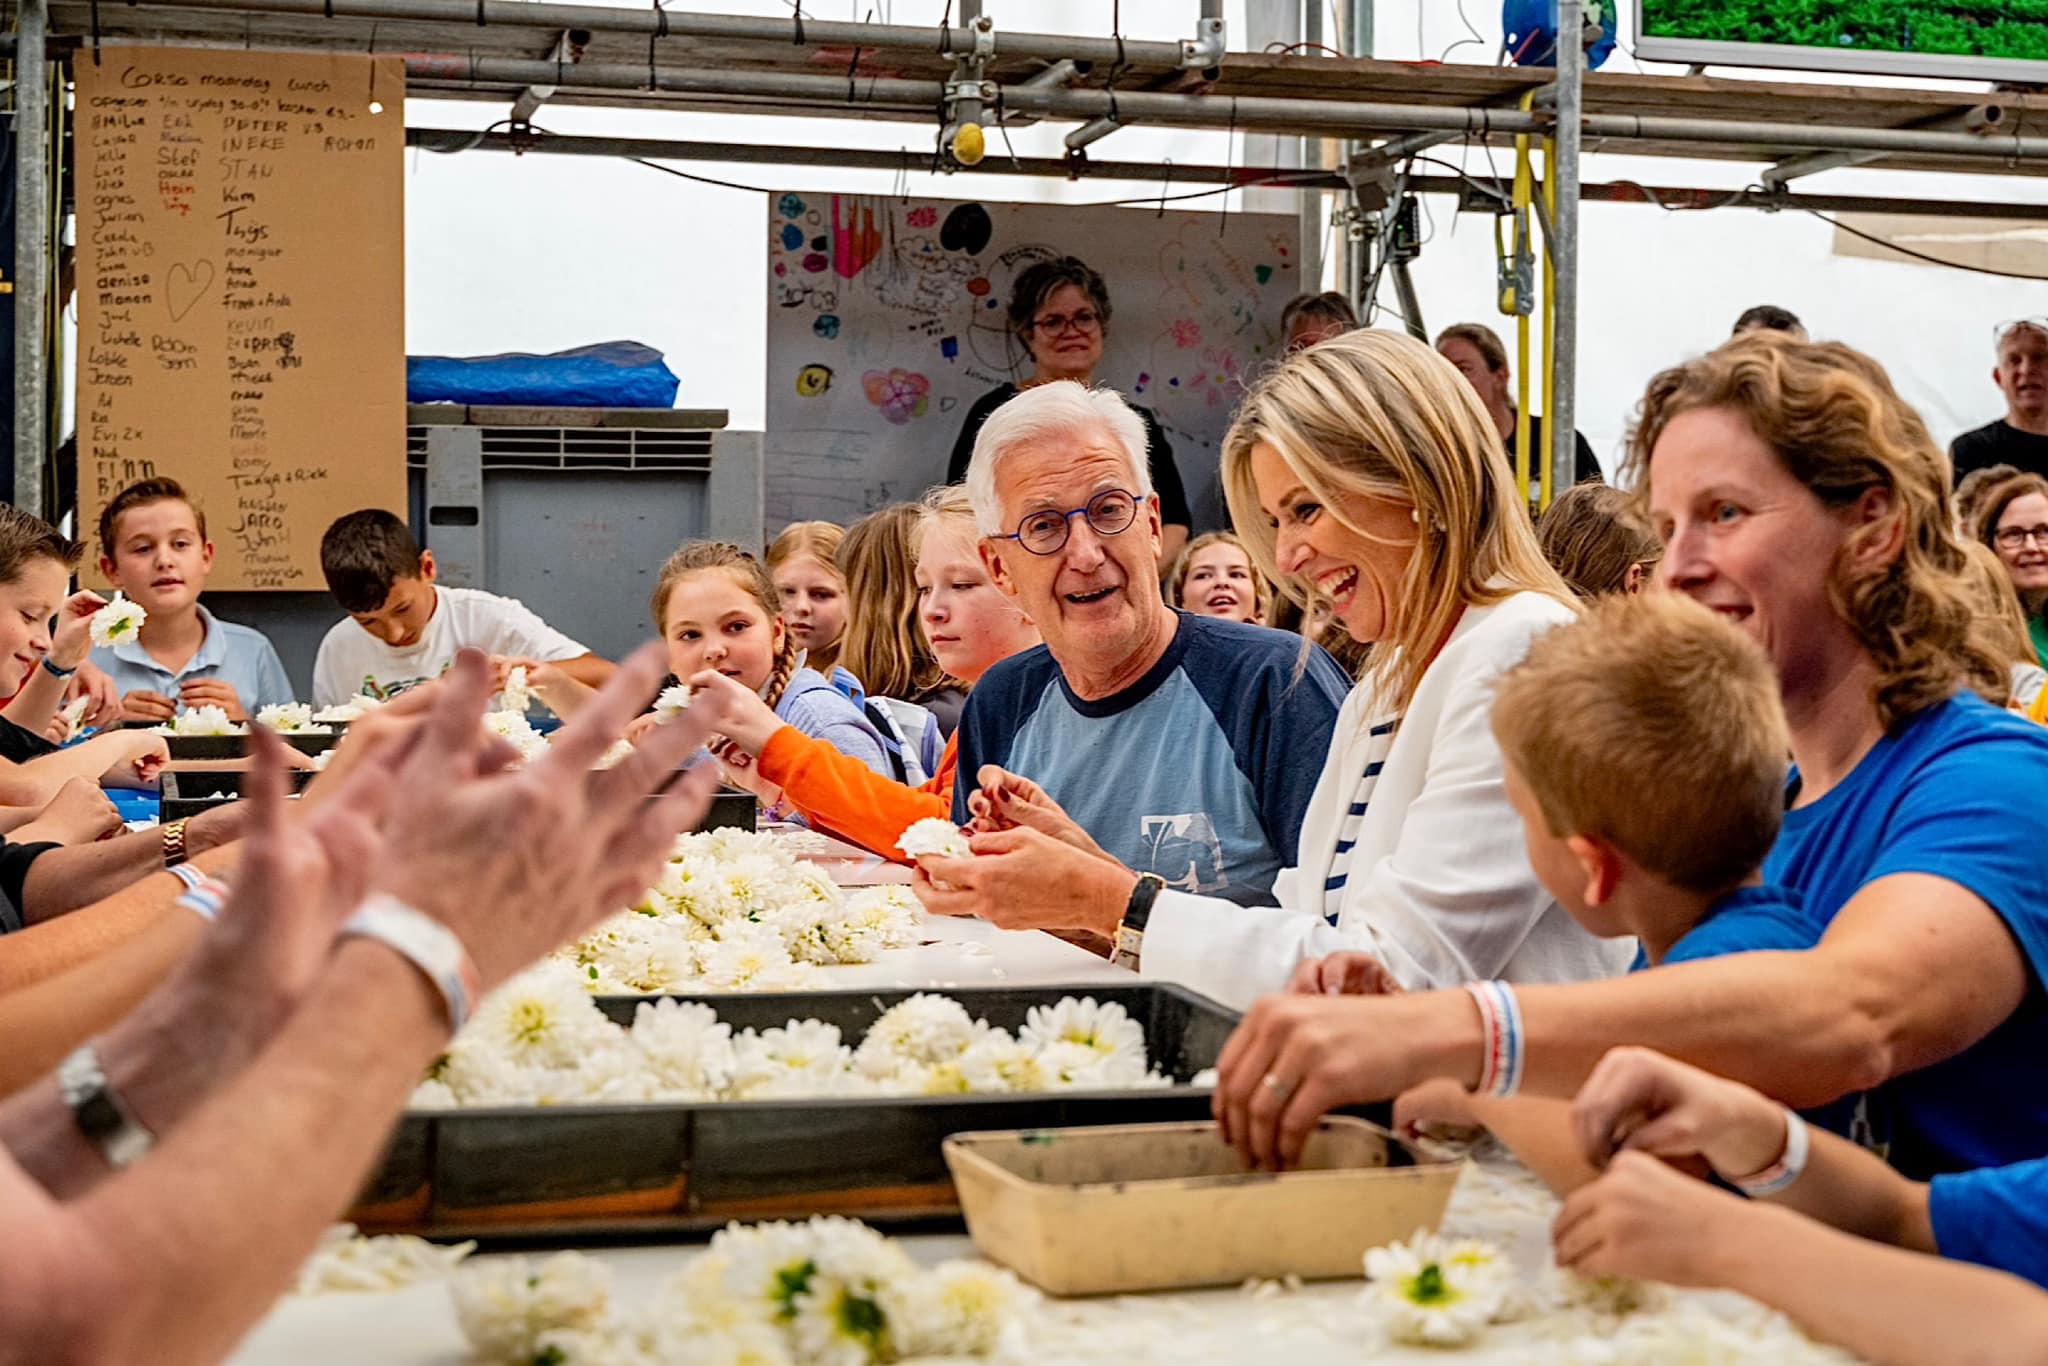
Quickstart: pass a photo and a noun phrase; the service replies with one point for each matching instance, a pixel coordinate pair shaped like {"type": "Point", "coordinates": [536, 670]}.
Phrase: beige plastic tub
{"type": "Point", "coordinates": [1098, 1211]}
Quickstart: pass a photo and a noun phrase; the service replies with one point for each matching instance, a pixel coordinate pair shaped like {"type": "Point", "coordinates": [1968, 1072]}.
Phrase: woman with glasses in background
{"type": "Point", "coordinates": [1059, 310]}
{"type": "Point", "coordinates": [2013, 520]}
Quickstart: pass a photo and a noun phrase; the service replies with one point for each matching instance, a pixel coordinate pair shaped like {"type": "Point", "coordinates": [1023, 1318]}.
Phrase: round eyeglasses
{"type": "Point", "coordinates": [1109, 513]}
{"type": "Point", "coordinates": [2015, 537]}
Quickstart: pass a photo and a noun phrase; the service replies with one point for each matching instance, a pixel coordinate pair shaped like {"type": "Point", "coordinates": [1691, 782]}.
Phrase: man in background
{"type": "Point", "coordinates": [2020, 438]}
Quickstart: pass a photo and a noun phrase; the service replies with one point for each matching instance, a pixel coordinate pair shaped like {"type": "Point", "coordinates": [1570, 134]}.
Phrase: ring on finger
{"type": "Point", "coordinates": [1272, 1082]}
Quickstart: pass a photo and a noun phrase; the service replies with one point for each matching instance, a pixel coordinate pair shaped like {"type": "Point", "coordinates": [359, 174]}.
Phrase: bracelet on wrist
{"type": "Point", "coordinates": [100, 1113]}
{"type": "Point", "coordinates": [424, 942]}
{"type": "Point", "coordinates": [1791, 1164]}
{"type": "Point", "coordinates": [175, 851]}
{"type": "Point", "coordinates": [1501, 1038]}
{"type": "Point", "coordinates": [55, 670]}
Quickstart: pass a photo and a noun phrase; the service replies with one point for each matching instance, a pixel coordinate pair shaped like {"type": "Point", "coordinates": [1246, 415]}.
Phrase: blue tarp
{"type": "Point", "coordinates": [618, 374]}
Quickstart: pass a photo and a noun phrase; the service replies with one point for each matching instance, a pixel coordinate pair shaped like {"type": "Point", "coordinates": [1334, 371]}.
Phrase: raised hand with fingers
{"type": "Point", "coordinates": [515, 862]}
{"type": "Point", "coordinates": [1008, 801]}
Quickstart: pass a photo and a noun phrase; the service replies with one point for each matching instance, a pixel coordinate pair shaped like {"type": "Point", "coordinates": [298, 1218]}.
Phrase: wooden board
{"type": "Point", "coordinates": [241, 293]}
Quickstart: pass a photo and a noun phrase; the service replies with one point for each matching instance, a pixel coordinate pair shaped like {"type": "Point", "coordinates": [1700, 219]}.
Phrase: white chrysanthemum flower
{"type": "Point", "coordinates": [541, 1018]}
{"type": "Point", "coordinates": [207, 720]}
{"type": "Point", "coordinates": [934, 836]}
{"type": "Point", "coordinates": [751, 958]}
{"type": "Point", "coordinates": [1610, 1297]}
{"type": "Point", "coordinates": [749, 1344]}
{"type": "Point", "coordinates": [514, 728]}
{"type": "Point", "coordinates": [346, 1262]}
{"type": "Point", "coordinates": [353, 709]}
{"type": "Point", "coordinates": [505, 1307]}
{"type": "Point", "coordinates": [922, 1030]}
{"type": "Point", "coordinates": [1416, 1296]}
{"type": "Point", "coordinates": [674, 700]}
{"type": "Point", "coordinates": [119, 622]}
{"type": "Point", "coordinates": [997, 1063]}
{"type": "Point", "coordinates": [518, 693]}
{"type": "Point", "coordinates": [291, 718]}
{"type": "Point", "coordinates": [802, 1058]}
{"type": "Point", "coordinates": [685, 1048]}
{"type": "Point", "coordinates": [477, 1075]}
{"type": "Point", "coordinates": [642, 954]}
{"type": "Point", "coordinates": [957, 1309]}
{"type": "Point", "coordinates": [1105, 1027]}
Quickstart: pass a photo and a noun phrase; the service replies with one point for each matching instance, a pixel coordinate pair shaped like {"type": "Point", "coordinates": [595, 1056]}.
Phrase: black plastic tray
{"type": "Point", "coordinates": [530, 1174]}
{"type": "Point", "coordinates": [189, 793]}
{"type": "Point", "coordinates": [237, 746]}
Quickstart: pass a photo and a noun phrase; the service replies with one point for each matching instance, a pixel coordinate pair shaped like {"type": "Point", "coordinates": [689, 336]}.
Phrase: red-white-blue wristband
{"type": "Point", "coordinates": [1500, 1018]}
{"type": "Point", "coordinates": [424, 942]}
{"type": "Point", "coordinates": [1787, 1169]}
{"type": "Point", "coordinates": [204, 894]}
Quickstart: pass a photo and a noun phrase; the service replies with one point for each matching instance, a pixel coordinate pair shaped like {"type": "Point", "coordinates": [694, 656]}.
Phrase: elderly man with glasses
{"type": "Point", "coordinates": [1184, 747]}
{"type": "Point", "coordinates": [1059, 313]}
{"type": "Point", "coordinates": [2020, 438]}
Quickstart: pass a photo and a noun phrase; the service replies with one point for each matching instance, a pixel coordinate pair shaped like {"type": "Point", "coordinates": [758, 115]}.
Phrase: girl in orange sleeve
{"type": "Point", "coordinates": [970, 625]}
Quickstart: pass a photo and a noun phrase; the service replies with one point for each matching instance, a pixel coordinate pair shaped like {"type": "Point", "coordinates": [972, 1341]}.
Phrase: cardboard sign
{"type": "Point", "coordinates": [241, 293]}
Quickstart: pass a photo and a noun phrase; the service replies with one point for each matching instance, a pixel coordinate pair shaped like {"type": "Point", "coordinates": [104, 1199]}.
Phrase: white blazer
{"type": "Point", "coordinates": [1439, 887]}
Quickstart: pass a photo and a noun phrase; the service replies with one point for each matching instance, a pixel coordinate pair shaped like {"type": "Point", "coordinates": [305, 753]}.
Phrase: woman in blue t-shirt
{"type": "Point", "coordinates": [1796, 493]}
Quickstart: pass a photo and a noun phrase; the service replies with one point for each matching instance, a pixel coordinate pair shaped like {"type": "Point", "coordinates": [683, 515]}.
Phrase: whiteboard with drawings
{"type": "Point", "coordinates": [886, 321]}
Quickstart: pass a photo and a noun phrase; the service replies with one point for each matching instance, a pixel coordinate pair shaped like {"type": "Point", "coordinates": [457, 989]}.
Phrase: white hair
{"type": "Point", "coordinates": [1059, 408]}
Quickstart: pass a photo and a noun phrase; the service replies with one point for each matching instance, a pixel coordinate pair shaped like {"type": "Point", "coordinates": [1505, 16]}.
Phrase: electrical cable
{"type": "Point", "coordinates": [1889, 245]}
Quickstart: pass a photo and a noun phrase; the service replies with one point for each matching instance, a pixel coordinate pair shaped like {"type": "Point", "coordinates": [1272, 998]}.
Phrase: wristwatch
{"type": "Point", "coordinates": [102, 1116]}
{"type": "Point", "coordinates": [174, 844]}
{"type": "Point", "coordinates": [1128, 944]}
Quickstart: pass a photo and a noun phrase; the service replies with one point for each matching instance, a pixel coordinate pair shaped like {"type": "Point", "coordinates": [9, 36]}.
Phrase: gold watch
{"type": "Point", "coordinates": [175, 852]}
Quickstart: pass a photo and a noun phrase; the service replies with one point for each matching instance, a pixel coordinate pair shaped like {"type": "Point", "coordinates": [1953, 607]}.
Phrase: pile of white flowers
{"type": "Point", "coordinates": [540, 1040]}
{"type": "Point", "coordinates": [734, 911]}
{"type": "Point", "coordinates": [831, 1292]}
{"type": "Point", "coordinates": [291, 718]}
{"type": "Point", "coordinates": [513, 726]}
{"type": "Point", "coordinates": [207, 720]}
{"type": "Point", "coordinates": [120, 620]}
{"type": "Point", "coordinates": [354, 709]}
{"type": "Point", "coordinates": [347, 1262]}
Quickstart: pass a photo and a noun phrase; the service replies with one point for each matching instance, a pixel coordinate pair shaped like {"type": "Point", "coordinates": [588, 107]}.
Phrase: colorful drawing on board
{"type": "Point", "coordinates": [900, 394]}
{"type": "Point", "coordinates": [826, 325]}
{"type": "Point", "coordinates": [1186, 332]}
{"type": "Point", "coordinates": [967, 229]}
{"type": "Point", "coordinates": [789, 206]}
{"type": "Point", "coordinates": [979, 286]}
{"type": "Point", "coordinates": [1143, 380]}
{"type": "Point", "coordinates": [816, 262]}
{"type": "Point", "coordinates": [949, 347]}
{"type": "Point", "coordinates": [813, 380]}
{"type": "Point", "coordinates": [855, 240]}
{"type": "Point", "coordinates": [792, 237]}
{"type": "Point", "coordinates": [1264, 273]}
{"type": "Point", "coordinates": [922, 217]}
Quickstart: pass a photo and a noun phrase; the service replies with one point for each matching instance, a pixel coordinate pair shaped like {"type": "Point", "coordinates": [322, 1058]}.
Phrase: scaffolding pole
{"type": "Point", "coordinates": [1563, 305]}
{"type": "Point", "coordinates": [804, 94]}
{"type": "Point", "coordinates": [31, 255]}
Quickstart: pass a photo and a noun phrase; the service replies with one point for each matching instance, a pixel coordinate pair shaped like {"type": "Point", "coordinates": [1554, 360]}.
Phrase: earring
{"type": "Point", "coordinates": [1415, 516]}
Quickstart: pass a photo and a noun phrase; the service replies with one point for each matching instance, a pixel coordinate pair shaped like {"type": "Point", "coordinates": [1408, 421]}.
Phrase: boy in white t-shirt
{"type": "Point", "coordinates": [405, 629]}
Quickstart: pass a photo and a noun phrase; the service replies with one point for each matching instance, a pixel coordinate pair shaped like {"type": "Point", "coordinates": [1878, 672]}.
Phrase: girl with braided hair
{"type": "Point", "coordinates": [717, 611]}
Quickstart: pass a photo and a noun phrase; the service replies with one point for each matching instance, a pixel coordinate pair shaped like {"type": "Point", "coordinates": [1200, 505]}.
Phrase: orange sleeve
{"type": "Point", "coordinates": [849, 798]}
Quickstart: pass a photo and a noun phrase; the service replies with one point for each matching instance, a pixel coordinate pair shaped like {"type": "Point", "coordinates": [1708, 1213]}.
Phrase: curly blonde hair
{"type": "Point", "coordinates": [1380, 415]}
{"type": "Point", "coordinates": [883, 644]}
{"type": "Point", "coordinates": [1831, 416]}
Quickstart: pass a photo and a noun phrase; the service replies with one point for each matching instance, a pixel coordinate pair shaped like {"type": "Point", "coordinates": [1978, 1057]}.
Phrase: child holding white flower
{"type": "Point", "coordinates": [35, 572]}
{"type": "Point", "coordinates": [970, 626]}
{"type": "Point", "coordinates": [154, 549]}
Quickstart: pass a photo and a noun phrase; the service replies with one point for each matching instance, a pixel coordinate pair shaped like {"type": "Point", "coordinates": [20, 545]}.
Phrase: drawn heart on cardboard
{"type": "Point", "coordinates": [185, 286]}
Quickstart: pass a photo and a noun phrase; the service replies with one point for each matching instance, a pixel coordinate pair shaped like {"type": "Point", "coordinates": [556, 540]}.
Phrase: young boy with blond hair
{"type": "Point", "coordinates": [1646, 753]}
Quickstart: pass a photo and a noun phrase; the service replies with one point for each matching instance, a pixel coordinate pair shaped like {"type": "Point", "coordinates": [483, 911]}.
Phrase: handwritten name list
{"type": "Point", "coordinates": [241, 293]}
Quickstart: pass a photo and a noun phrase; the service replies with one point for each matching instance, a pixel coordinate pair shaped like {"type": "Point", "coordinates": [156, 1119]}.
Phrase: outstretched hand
{"type": "Point", "coordinates": [517, 861]}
